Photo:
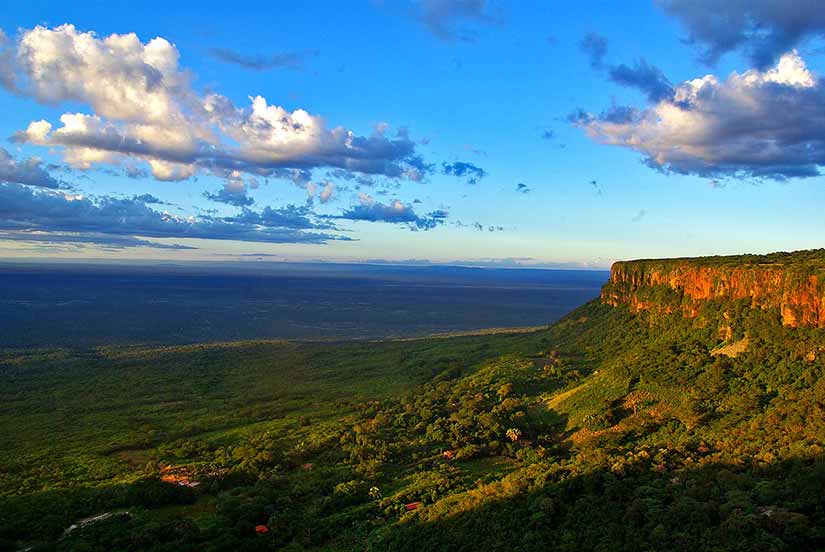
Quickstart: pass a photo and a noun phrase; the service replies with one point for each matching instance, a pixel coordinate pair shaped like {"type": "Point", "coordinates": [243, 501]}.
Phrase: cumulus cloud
{"type": "Point", "coordinates": [462, 169]}
{"type": "Point", "coordinates": [25, 211]}
{"type": "Point", "coordinates": [27, 171]}
{"type": "Point", "coordinates": [595, 46]}
{"type": "Point", "coordinates": [259, 62]}
{"type": "Point", "coordinates": [145, 108]}
{"type": "Point", "coordinates": [764, 29]}
{"type": "Point", "coordinates": [454, 20]}
{"type": "Point", "coordinates": [396, 212]}
{"type": "Point", "coordinates": [759, 123]}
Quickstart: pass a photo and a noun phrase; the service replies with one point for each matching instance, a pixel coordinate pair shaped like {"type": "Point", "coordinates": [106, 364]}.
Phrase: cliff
{"type": "Point", "coordinates": [792, 283]}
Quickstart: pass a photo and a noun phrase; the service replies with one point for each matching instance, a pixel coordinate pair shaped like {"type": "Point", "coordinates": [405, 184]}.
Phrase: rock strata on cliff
{"type": "Point", "coordinates": [793, 283]}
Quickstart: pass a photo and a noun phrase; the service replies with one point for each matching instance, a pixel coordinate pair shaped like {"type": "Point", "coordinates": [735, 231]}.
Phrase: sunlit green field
{"type": "Point", "coordinates": [84, 418]}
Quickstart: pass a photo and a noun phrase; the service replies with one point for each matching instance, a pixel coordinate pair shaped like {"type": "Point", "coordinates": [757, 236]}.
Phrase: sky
{"type": "Point", "coordinates": [543, 134]}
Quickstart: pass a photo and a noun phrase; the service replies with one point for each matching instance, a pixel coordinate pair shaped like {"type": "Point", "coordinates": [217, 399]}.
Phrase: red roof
{"type": "Point", "coordinates": [412, 506]}
{"type": "Point", "coordinates": [261, 529]}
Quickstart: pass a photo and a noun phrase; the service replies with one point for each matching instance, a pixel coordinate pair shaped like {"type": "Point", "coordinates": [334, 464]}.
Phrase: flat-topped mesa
{"type": "Point", "coordinates": [793, 283]}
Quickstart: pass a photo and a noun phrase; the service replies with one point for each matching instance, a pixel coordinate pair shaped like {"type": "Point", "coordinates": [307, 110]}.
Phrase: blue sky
{"type": "Point", "coordinates": [467, 143]}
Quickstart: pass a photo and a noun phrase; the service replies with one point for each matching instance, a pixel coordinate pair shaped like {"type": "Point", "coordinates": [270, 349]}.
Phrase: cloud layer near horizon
{"type": "Point", "coordinates": [31, 214]}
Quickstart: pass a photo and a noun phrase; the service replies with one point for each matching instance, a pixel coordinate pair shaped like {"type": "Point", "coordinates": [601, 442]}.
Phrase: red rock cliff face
{"type": "Point", "coordinates": [799, 296]}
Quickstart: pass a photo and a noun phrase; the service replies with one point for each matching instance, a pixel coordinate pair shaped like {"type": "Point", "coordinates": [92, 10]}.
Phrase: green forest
{"type": "Point", "coordinates": [606, 431]}
{"type": "Point", "coordinates": [811, 259]}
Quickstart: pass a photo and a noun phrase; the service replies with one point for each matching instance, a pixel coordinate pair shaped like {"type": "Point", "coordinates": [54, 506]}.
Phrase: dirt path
{"type": "Point", "coordinates": [555, 400]}
{"type": "Point", "coordinates": [732, 350]}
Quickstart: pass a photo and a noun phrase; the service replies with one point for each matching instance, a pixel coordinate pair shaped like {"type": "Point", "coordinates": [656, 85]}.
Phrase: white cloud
{"type": "Point", "coordinates": [145, 108]}
{"type": "Point", "coordinates": [165, 170]}
{"type": "Point", "coordinates": [36, 133]}
{"type": "Point", "coordinates": [760, 123]}
{"type": "Point", "coordinates": [118, 76]}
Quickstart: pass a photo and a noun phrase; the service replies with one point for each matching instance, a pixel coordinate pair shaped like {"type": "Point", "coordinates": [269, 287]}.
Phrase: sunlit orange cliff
{"type": "Point", "coordinates": [795, 286]}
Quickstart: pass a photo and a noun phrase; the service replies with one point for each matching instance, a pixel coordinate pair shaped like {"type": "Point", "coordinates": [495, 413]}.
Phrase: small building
{"type": "Point", "coordinates": [412, 506]}
{"type": "Point", "coordinates": [261, 529]}
{"type": "Point", "coordinates": [448, 454]}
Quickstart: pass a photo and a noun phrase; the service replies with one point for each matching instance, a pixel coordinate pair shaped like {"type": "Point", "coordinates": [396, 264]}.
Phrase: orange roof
{"type": "Point", "coordinates": [412, 506]}
{"type": "Point", "coordinates": [261, 529]}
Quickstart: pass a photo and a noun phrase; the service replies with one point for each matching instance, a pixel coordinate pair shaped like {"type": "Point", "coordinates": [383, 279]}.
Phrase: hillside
{"type": "Point", "coordinates": [620, 427]}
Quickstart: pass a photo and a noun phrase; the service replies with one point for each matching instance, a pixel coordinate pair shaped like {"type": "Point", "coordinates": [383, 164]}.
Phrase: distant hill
{"type": "Point", "coordinates": [682, 410]}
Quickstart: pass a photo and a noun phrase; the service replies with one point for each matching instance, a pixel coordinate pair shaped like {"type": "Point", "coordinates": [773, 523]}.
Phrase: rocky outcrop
{"type": "Point", "coordinates": [797, 291]}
